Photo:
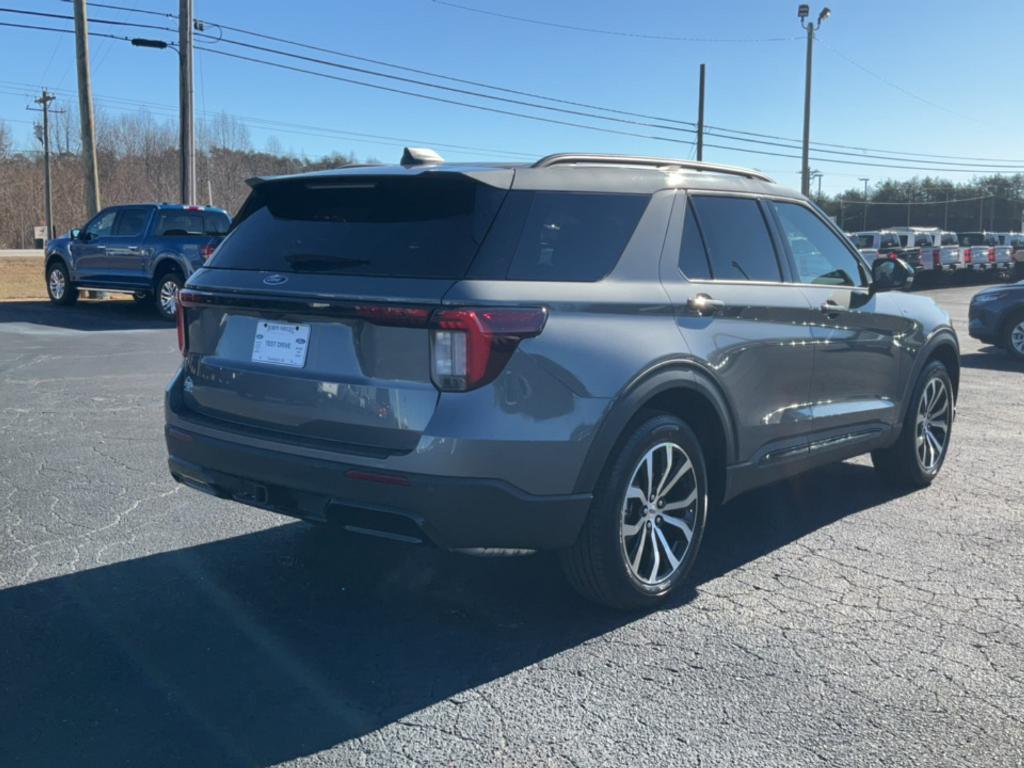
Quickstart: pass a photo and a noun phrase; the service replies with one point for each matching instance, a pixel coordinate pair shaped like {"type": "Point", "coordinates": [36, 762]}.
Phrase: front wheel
{"type": "Point", "coordinates": [59, 287]}
{"type": "Point", "coordinates": [166, 295]}
{"type": "Point", "coordinates": [1013, 336]}
{"type": "Point", "coordinates": [645, 525]}
{"type": "Point", "coordinates": [916, 457]}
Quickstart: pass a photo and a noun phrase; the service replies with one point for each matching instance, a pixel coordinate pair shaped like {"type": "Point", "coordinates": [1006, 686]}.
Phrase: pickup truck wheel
{"type": "Point", "coordinates": [166, 295]}
{"type": "Point", "coordinates": [916, 457]}
{"type": "Point", "coordinates": [645, 526]}
{"type": "Point", "coordinates": [59, 287]}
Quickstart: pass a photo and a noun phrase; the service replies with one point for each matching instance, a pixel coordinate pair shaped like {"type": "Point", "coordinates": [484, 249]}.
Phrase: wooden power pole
{"type": "Point", "coordinates": [700, 118]}
{"type": "Point", "coordinates": [185, 108]}
{"type": "Point", "coordinates": [92, 180]}
{"type": "Point", "coordinates": [44, 102]}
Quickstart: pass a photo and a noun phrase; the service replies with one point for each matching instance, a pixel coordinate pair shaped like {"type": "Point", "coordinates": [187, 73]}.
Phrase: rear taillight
{"type": "Point", "coordinates": [469, 347]}
{"type": "Point", "coordinates": [207, 251]}
{"type": "Point", "coordinates": [967, 255]}
{"type": "Point", "coordinates": [182, 332]}
{"type": "Point", "coordinates": [991, 254]}
{"type": "Point", "coordinates": [937, 257]}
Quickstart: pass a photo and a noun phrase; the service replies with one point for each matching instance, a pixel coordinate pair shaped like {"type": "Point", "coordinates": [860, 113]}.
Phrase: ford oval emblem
{"type": "Point", "coordinates": [275, 280]}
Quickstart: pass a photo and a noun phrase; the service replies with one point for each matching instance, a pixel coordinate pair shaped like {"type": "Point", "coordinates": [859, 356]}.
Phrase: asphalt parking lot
{"type": "Point", "coordinates": [831, 620]}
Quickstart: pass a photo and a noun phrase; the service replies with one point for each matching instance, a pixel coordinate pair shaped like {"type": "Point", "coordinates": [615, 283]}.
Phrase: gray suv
{"type": "Point", "coordinates": [587, 354]}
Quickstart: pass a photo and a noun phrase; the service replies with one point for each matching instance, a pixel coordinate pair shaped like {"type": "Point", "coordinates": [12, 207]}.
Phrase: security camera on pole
{"type": "Point", "coordinates": [802, 13]}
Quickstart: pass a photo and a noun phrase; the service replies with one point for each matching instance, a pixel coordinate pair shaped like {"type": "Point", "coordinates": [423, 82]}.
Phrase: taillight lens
{"type": "Point", "coordinates": [967, 255]}
{"type": "Point", "coordinates": [937, 257]}
{"type": "Point", "coordinates": [182, 331]}
{"type": "Point", "coordinates": [469, 347]}
{"type": "Point", "coordinates": [991, 254]}
{"type": "Point", "coordinates": [207, 251]}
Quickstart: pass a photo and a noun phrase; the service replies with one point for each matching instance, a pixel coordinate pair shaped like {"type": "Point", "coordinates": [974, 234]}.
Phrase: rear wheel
{"type": "Point", "coordinates": [59, 287]}
{"type": "Point", "coordinates": [916, 457]}
{"type": "Point", "coordinates": [166, 295]}
{"type": "Point", "coordinates": [645, 526]}
{"type": "Point", "coordinates": [1013, 336]}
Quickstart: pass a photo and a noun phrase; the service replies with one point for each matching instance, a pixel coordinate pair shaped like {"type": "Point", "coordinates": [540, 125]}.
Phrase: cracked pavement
{"type": "Point", "coordinates": [829, 621]}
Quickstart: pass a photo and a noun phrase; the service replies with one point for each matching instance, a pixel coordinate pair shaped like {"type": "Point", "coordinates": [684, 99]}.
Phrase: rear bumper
{"type": "Point", "coordinates": [453, 513]}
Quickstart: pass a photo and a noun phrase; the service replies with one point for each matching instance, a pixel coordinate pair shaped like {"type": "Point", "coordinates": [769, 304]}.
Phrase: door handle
{"type": "Point", "coordinates": [831, 308]}
{"type": "Point", "coordinates": [703, 304]}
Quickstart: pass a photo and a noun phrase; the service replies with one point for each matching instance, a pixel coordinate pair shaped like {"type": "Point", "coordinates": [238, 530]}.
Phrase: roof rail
{"type": "Point", "coordinates": [653, 162]}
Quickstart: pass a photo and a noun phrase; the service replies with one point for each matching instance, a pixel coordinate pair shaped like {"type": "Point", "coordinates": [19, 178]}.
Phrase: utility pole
{"type": "Point", "coordinates": [185, 108]}
{"type": "Point", "coordinates": [945, 213]}
{"type": "Point", "coordinates": [92, 177]}
{"type": "Point", "coordinates": [865, 180]}
{"type": "Point", "coordinates": [700, 118]}
{"type": "Point", "coordinates": [44, 101]}
{"type": "Point", "coordinates": [981, 212]}
{"type": "Point", "coordinates": [803, 11]}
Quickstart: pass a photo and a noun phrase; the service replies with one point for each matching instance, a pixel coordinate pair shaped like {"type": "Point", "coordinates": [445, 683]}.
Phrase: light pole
{"type": "Point", "coordinates": [865, 180]}
{"type": "Point", "coordinates": [802, 13]}
{"type": "Point", "coordinates": [816, 174]}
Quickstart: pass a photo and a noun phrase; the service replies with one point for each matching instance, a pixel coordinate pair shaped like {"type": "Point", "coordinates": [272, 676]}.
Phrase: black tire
{"type": "Point", "coordinates": [167, 311]}
{"type": "Point", "coordinates": [900, 464]}
{"type": "Point", "coordinates": [54, 282]}
{"type": "Point", "coordinates": [1015, 325]}
{"type": "Point", "coordinates": [598, 565]}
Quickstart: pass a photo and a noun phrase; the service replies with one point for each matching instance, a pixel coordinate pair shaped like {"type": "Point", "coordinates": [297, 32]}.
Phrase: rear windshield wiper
{"type": "Point", "coordinates": [313, 262]}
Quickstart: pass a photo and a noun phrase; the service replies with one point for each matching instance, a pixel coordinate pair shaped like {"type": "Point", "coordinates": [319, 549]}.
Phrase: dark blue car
{"type": "Point", "coordinates": [146, 250]}
{"type": "Point", "coordinates": [997, 317]}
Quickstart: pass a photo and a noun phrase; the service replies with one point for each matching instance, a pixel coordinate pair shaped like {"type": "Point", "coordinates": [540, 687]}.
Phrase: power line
{"type": "Point", "coordinates": [111, 22]}
{"type": "Point", "coordinates": [611, 32]}
{"type": "Point", "coordinates": [131, 10]}
{"type": "Point", "coordinates": [860, 162]}
{"type": "Point", "coordinates": [857, 151]}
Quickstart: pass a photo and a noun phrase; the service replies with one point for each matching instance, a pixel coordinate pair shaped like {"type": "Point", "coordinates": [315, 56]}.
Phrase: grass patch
{"type": "Point", "coordinates": [22, 278]}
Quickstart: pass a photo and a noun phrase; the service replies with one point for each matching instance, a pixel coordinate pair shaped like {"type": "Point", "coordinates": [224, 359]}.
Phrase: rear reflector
{"type": "Point", "coordinates": [937, 258]}
{"type": "Point", "coordinates": [470, 347]}
{"type": "Point", "coordinates": [991, 254]}
{"type": "Point", "coordinates": [377, 477]}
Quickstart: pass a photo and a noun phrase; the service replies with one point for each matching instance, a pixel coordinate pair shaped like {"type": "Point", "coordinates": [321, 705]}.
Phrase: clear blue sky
{"type": "Point", "coordinates": [961, 57]}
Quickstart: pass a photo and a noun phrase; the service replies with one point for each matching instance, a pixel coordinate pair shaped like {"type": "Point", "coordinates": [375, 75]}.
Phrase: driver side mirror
{"type": "Point", "coordinates": [890, 273]}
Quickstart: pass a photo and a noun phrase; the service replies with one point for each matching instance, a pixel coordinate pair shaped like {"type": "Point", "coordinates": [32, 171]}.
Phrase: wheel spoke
{"type": "Point", "coordinates": [681, 504]}
{"type": "Point", "coordinates": [635, 493]}
{"type": "Point", "coordinates": [679, 523]}
{"type": "Point", "coordinates": [632, 529]}
{"type": "Point", "coordinates": [656, 557]}
{"type": "Point", "coordinates": [664, 474]}
{"type": "Point", "coordinates": [649, 463]}
{"type": "Point", "coordinates": [678, 476]}
{"type": "Point", "coordinates": [638, 556]}
{"type": "Point", "coordinates": [672, 559]}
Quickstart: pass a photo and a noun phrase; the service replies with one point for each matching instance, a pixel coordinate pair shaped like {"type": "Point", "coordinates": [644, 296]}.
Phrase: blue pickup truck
{"type": "Point", "coordinates": [145, 250]}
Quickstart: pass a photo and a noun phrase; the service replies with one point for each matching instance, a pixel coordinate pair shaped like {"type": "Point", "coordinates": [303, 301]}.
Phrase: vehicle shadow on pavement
{"type": "Point", "coordinates": [991, 359]}
{"type": "Point", "coordinates": [108, 315]}
{"type": "Point", "coordinates": [277, 644]}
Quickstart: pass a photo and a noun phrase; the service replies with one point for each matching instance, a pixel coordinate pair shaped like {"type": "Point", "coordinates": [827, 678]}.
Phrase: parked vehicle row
{"type": "Point", "coordinates": [146, 250]}
{"type": "Point", "coordinates": [932, 249]}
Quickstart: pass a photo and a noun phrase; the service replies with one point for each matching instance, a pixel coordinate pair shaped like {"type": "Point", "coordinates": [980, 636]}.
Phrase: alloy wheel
{"type": "Point", "coordinates": [1017, 338]}
{"type": "Point", "coordinates": [168, 297]}
{"type": "Point", "coordinates": [933, 412]}
{"type": "Point", "coordinates": [57, 284]}
{"type": "Point", "coordinates": [659, 513]}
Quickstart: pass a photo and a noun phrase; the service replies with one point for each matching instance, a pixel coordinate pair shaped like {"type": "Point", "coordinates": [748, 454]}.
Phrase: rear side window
{"type": "Point", "coordinates": [576, 237]}
{"type": "Point", "coordinates": [131, 222]}
{"type": "Point", "coordinates": [923, 241]}
{"type": "Point", "coordinates": [864, 241]}
{"type": "Point", "coordinates": [428, 225]}
{"type": "Point", "coordinates": [820, 255]}
{"type": "Point", "coordinates": [693, 255]}
{"type": "Point", "coordinates": [888, 241]}
{"type": "Point", "coordinates": [180, 223]}
{"type": "Point", "coordinates": [948, 238]}
{"type": "Point", "coordinates": [737, 240]}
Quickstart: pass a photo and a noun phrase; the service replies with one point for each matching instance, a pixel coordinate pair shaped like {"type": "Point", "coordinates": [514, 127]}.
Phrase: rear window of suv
{"type": "Point", "coordinates": [425, 226]}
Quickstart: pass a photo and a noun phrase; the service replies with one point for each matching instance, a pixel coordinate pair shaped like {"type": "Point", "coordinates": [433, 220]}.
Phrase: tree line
{"type": "Point", "coordinates": [138, 162]}
{"type": "Point", "coordinates": [137, 156]}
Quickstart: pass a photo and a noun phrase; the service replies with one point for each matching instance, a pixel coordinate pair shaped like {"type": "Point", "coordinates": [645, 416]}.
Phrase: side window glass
{"type": "Point", "coordinates": [178, 223]}
{"type": "Point", "coordinates": [216, 223]}
{"type": "Point", "coordinates": [821, 257]}
{"type": "Point", "coordinates": [736, 236]}
{"type": "Point", "coordinates": [693, 255]}
{"type": "Point", "coordinates": [102, 225]}
{"type": "Point", "coordinates": [131, 222]}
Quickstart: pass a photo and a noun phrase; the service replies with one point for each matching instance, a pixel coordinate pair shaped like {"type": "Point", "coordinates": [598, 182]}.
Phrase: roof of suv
{"type": "Point", "coordinates": [586, 172]}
